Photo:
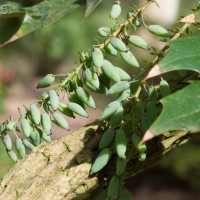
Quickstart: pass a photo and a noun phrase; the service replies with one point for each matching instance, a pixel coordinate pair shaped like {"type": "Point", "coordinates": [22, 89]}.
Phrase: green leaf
{"type": "Point", "coordinates": [10, 9]}
{"type": "Point", "coordinates": [184, 54]}
{"type": "Point", "coordinates": [91, 5]}
{"type": "Point", "coordinates": [181, 111]}
{"type": "Point", "coordinates": [41, 15]}
{"type": "Point", "coordinates": [8, 27]}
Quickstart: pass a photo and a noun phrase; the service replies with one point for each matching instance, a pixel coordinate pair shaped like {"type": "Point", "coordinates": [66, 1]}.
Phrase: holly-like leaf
{"type": "Point", "coordinates": [181, 111]}
{"type": "Point", "coordinates": [41, 15]}
{"type": "Point", "coordinates": [184, 54]}
{"type": "Point", "coordinates": [91, 5]}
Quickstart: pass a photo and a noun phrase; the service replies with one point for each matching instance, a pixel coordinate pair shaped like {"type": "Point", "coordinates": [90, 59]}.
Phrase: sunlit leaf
{"type": "Point", "coordinates": [184, 54]}
{"type": "Point", "coordinates": [181, 111]}
{"type": "Point", "coordinates": [43, 14]}
{"type": "Point", "coordinates": [10, 9]}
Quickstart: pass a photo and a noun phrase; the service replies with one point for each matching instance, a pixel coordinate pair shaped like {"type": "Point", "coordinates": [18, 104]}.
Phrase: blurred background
{"type": "Point", "coordinates": [55, 50]}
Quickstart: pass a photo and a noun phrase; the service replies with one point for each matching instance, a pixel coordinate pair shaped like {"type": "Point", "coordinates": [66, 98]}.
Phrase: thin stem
{"type": "Point", "coordinates": [162, 51]}
{"type": "Point", "coordinates": [126, 23]}
{"type": "Point", "coordinates": [102, 46]}
{"type": "Point", "coordinates": [76, 70]}
{"type": "Point", "coordinates": [176, 36]}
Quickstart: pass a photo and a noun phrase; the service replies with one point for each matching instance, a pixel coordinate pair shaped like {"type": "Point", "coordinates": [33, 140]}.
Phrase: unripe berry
{"type": "Point", "coordinates": [115, 10]}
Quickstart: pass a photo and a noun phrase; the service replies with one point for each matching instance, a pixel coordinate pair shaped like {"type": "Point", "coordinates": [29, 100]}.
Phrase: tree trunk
{"type": "Point", "coordinates": [60, 170]}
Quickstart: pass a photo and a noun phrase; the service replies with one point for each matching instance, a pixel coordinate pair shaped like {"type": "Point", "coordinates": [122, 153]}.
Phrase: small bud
{"type": "Point", "coordinates": [115, 10]}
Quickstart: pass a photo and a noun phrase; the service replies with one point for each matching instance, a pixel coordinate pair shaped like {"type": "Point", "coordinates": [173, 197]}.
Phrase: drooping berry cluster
{"type": "Point", "coordinates": [96, 73]}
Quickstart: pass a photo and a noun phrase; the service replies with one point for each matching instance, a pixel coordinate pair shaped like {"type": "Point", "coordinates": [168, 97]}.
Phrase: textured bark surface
{"type": "Point", "coordinates": [55, 171]}
{"type": "Point", "coordinates": [60, 170]}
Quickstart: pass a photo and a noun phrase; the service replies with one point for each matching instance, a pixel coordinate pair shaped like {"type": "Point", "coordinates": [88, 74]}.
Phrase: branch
{"type": "Point", "coordinates": [60, 170]}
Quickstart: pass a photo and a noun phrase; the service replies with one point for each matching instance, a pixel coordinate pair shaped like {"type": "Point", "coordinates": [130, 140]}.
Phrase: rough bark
{"type": "Point", "coordinates": [60, 170]}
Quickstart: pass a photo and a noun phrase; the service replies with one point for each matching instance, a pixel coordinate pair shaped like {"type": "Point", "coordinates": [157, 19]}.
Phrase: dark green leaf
{"type": "Point", "coordinates": [43, 14]}
{"type": "Point", "coordinates": [91, 5]}
{"type": "Point", "coordinates": [8, 27]}
{"type": "Point", "coordinates": [184, 54]}
{"type": "Point", "coordinates": [181, 111]}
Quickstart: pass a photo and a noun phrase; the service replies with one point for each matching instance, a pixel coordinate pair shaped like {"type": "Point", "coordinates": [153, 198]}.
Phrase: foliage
{"type": "Point", "coordinates": [96, 72]}
{"type": "Point", "coordinates": [36, 16]}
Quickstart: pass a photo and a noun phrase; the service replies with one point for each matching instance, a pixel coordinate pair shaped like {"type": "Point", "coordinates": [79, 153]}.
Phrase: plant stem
{"type": "Point", "coordinates": [102, 46]}
{"type": "Point", "coordinates": [162, 51]}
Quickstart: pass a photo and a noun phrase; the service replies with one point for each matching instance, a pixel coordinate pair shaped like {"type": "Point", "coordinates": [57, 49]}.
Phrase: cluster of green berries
{"type": "Point", "coordinates": [101, 76]}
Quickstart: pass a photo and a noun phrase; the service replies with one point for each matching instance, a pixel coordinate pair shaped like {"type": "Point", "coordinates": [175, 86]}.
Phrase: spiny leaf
{"type": "Point", "coordinates": [184, 54]}
{"type": "Point", "coordinates": [91, 5]}
{"type": "Point", "coordinates": [181, 111]}
{"type": "Point", "coordinates": [41, 15]}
